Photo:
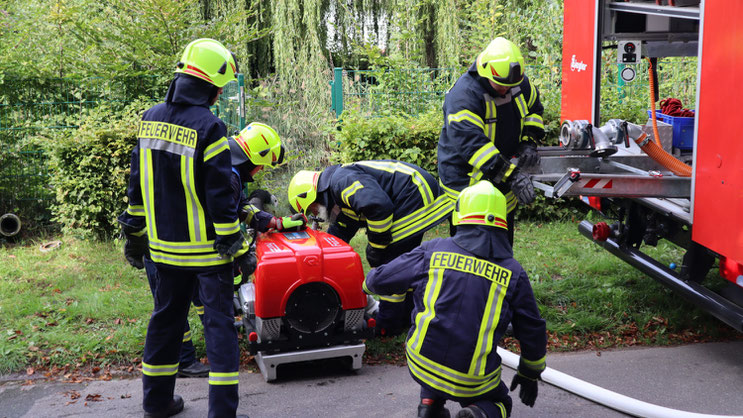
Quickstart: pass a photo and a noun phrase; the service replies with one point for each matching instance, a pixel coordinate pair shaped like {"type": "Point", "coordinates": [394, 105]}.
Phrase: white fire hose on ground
{"type": "Point", "coordinates": [602, 396]}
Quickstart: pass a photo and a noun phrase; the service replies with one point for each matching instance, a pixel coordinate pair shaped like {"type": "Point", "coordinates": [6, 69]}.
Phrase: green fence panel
{"type": "Point", "coordinates": [407, 91]}
{"type": "Point", "coordinates": [33, 105]}
{"type": "Point", "coordinates": [411, 91]}
{"type": "Point", "coordinates": [30, 106]}
{"type": "Point", "coordinates": [231, 105]}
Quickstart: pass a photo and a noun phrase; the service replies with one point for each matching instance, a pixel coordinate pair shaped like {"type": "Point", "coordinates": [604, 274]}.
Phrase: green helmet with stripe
{"type": "Point", "coordinates": [210, 61]}
{"type": "Point", "coordinates": [481, 204]}
{"type": "Point", "coordinates": [258, 143]}
{"type": "Point", "coordinates": [501, 62]}
{"type": "Point", "coordinates": [303, 190]}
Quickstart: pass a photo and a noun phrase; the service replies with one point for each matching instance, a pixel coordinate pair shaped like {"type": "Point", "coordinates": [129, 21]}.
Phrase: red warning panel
{"type": "Point", "coordinates": [718, 168]}
{"type": "Point", "coordinates": [578, 60]}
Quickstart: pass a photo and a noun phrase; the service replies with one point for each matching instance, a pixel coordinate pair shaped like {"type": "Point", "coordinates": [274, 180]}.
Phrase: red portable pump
{"type": "Point", "coordinates": [305, 301]}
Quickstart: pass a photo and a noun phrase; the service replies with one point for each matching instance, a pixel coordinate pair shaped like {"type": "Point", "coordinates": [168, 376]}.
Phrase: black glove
{"type": "Point", "coordinates": [529, 388]}
{"type": "Point", "coordinates": [247, 264]}
{"type": "Point", "coordinates": [522, 187]}
{"type": "Point", "coordinates": [260, 198]}
{"type": "Point", "coordinates": [374, 256]}
{"type": "Point", "coordinates": [528, 155]}
{"type": "Point", "coordinates": [380, 238]}
{"type": "Point", "coordinates": [228, 245]}
{"type": "Point", "coordinates": [135, 249]}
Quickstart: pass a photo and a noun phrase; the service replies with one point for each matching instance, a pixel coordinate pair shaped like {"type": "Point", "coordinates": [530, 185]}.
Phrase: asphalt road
{"type": "Point", "coordinates": [701, 378]}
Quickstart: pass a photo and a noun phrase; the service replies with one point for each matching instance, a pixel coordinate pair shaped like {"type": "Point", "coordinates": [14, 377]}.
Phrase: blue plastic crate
{"type": "Point", "coordinates": [658, 115]}
{"type": "Point", "coordinates": [683, 129]}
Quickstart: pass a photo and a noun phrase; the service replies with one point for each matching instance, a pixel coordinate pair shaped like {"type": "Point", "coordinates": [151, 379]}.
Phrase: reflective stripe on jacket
{"type": "Point", "coordinates": [463, 305]}
{"type": "Point", "coordinates": [479, 125]}
{"type": "Point", "coordinates": [387, 195]}
{"type": "Point", "coordinates": [179, 188]}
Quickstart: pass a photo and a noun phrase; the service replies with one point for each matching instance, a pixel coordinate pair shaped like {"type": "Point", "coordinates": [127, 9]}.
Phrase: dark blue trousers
{"type": "Point", "coordinates": [396, 317]}
{"type": "Point", "coordinates": [173, 296]}
{"type": "Point", "coordinates": [188, 351]}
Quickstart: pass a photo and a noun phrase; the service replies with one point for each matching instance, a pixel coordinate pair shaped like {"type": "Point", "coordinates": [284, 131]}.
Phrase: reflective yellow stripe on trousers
{"type": "Point", "coordinates": [217, 378]}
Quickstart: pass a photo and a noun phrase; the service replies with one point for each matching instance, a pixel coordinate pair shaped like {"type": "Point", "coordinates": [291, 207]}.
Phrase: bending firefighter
{"type": "Point", "coordinates": [491, 114]}
{"type": "Point", "coordinates": [180, 198]}
{"type": "Point", "coordinates": [257, 146]}
{"type": "Point", "coordinates": [467, 289]}
{"type": "Point", "coordinates": [395, 201]}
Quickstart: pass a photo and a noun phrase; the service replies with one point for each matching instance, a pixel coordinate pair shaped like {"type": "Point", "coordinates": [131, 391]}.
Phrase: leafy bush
{"type": "Point", "coordinates": [410, 139]}
{"type": "Point", "coordinates": [89, 168]}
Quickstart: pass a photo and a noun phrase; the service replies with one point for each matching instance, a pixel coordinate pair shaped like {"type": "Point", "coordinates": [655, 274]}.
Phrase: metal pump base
{"type": "Point", "coordinates": [268, 363]}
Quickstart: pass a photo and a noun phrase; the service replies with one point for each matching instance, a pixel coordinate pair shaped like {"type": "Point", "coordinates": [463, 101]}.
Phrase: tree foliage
{"type": "Point", "coordinates": [116, 37]}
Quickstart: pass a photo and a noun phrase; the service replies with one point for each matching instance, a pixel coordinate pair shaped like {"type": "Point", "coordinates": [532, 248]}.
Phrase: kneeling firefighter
{"type": "Point", "coordinates": [395, 201]}
{"type": "Point", "coordinates": [467, 288]}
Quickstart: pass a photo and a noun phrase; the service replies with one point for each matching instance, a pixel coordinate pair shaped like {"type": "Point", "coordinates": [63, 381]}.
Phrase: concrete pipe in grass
{"type": "Point", "coordinates": [10, 225]}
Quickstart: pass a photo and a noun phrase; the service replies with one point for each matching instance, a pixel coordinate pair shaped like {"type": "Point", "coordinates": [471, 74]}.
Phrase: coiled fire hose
{"type": "Point", "coordinates": [600, 395]}
{"type": "Point", "coordinates": [654, 149]}
{"type": "Point", "coordinates": [673, 107]}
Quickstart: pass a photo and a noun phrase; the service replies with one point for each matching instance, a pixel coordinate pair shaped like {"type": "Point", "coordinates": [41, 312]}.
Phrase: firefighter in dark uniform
{"type": "Point", "coordinates": [395, 201]}
{"type": "Point", "coordinates": [180, 200]}
{"type": "Point", "coordinates": [258, 145]}
{"type": "Point", "coordinates": [491, 114]}
{"type": "Point", "coordinates": [467, 289]}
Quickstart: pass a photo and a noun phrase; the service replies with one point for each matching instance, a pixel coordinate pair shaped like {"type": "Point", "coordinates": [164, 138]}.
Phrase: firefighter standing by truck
{"type": "Point", "coordinates": [467, 289]}
{"type": "Point", "coordinates": [180, 199]}
{"type": "Point", "coordinates": [491, 114]}
{"type": "Point", "coordinates": [395, 201]}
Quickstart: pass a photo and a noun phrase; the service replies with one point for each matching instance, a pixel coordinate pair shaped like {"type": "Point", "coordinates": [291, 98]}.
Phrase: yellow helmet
{"type": "Point", "coordinates": [303, 190]}
{"type": "Point", "coordinates": [210, 61]}
{"type": "Point", "coordinates": [481, 204]}
{"type": "Point", "coordinates": [258, 143]}
{"type": "Point", "coordinates": [501, 62]}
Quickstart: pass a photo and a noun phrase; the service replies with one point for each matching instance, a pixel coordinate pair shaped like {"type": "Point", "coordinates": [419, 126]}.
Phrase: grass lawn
{"type": "Point", "coordinates": [81, 308]}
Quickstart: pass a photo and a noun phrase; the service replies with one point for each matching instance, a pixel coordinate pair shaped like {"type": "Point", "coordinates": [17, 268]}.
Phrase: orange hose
{"type": "Point", "coordinates": [652, 102]}
{"type": "Point", "coordinates": [663, 158]}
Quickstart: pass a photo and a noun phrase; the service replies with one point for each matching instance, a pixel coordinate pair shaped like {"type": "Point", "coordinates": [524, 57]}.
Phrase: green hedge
{"type": "Point", "coordinates": [89, 168]}
{"type": "Point", "coordinates": [410, 139]}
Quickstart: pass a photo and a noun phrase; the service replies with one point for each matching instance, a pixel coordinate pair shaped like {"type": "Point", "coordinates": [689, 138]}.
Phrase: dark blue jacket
{"type": "Point", "coordinates": [251, 215]}
{"type": "Point", "coordinates": [179, 187]}
{"type": "Point", "coordinates": [466, 290]}
{"type": "Point", "coordinates": [482, 131]}
{"type": "Point", "coordinates": [387, 196]}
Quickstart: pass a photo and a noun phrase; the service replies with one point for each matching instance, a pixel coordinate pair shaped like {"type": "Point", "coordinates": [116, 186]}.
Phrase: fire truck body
{"type": "Point", "coordinates": [700, 212]}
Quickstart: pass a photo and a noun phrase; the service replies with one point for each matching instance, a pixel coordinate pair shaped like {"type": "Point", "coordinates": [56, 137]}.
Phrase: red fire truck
{"type": "Point", "coordinates": [652, 183]}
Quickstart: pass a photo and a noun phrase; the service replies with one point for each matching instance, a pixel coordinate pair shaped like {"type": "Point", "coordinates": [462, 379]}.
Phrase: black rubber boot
{"type": "Point", "coordinates": [429, 408]}
{"type": "Point", "coordinates": [176, 406]}
{"type": "Point", "coordinates": [472, 411]}
{"type": "Point", "coordinates": [195, 369]}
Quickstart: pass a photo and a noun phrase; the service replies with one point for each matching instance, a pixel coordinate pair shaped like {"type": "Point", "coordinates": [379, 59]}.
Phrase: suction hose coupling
{"type": "Point", "coordinates": [10, 225]}
{"type": "Point", "coordinates": [581, 135]}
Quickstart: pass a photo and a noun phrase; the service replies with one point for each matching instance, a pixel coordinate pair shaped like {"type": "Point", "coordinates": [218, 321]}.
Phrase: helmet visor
{"type": "Point", "coordinates": [514, 76]}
